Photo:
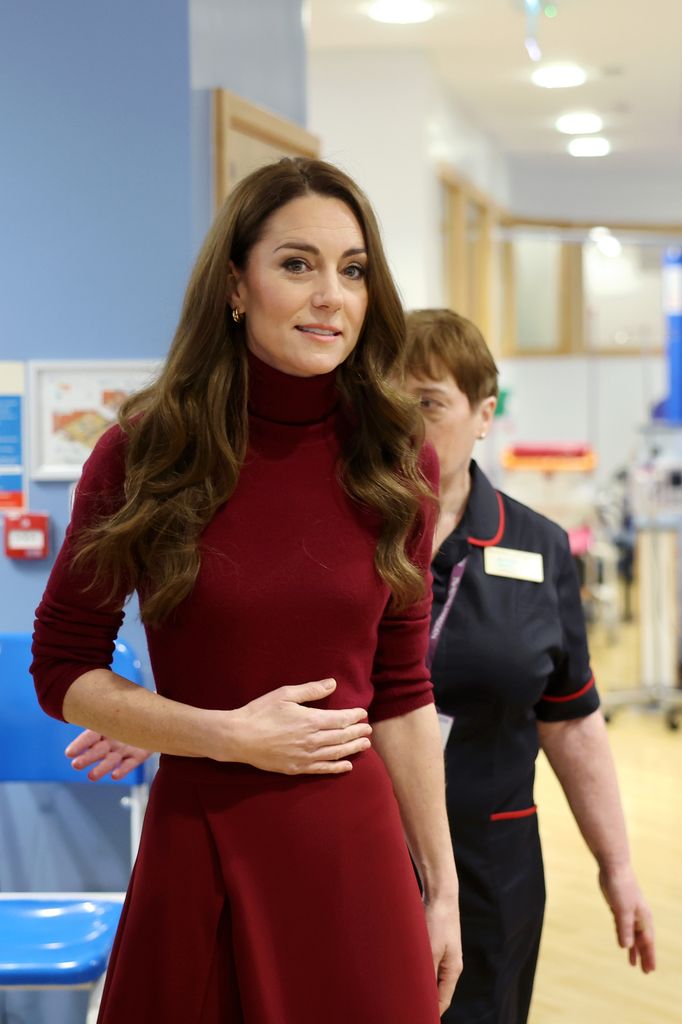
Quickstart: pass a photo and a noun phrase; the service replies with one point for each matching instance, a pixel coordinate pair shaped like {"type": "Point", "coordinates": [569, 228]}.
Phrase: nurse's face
{"type": "Point", "coordinates": [452, 426]}
{"type": "Point", "coordinates": [303, 290]}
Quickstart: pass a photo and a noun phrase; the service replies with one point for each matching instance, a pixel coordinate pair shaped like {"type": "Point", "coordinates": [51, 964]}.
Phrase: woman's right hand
{"type": "Point", "coordinates": [277, 734]}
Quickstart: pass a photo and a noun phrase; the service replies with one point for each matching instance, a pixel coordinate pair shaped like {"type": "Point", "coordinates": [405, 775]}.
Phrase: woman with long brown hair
{"type": "Point", "coordinates": [269, 500]}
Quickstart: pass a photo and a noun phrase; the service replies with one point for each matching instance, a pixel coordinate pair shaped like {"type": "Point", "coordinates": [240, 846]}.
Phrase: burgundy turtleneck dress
{"type": "Point", "coordinates": [261, 898]}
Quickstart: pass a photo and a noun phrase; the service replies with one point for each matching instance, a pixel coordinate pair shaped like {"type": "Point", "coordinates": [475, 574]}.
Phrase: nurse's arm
{"type": "Point", "coordinates": [411, 748]}
{"type": "Point", "coordinates": [103, 756]}
{"type": "Point", "coordinates": [578, 751]}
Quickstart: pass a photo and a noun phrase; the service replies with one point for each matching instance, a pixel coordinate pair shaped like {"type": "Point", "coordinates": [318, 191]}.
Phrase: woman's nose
{"type": "Point", "coordinates": [328, 292]}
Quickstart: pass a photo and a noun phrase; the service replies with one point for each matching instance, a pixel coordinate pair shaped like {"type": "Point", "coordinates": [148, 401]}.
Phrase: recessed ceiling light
{"type": "Point", "coordinates": [592, 145]}
{"type": "Point", "coordinates": [401, 12]}
{"type": "Point", "coordinates": [559, 76]}
{"type": "Point", "coordinates": [607, 243]}
{"type": "Point", "coordinates": [610, 247]}
{"type": "Point", "coordinates": [579, 123]}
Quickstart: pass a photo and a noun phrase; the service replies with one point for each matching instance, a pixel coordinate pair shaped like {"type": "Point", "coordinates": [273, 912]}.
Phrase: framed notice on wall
{"type": "Point", "coordinates": [246, 137]}
{"type": "Point", "coordinates": [72, 403]}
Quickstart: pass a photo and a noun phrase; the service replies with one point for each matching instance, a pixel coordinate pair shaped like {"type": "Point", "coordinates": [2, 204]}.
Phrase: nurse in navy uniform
{"type": "Point", "coordinates": [511, 671]}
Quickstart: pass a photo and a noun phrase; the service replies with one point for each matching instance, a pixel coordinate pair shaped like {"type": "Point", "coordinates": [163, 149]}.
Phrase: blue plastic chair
{"type": "Point", "coordinates": [54, 940]}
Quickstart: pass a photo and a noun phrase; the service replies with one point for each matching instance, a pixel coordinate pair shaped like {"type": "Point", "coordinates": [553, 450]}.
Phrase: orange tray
{"type": "Point", "coordinates": [550, 463]}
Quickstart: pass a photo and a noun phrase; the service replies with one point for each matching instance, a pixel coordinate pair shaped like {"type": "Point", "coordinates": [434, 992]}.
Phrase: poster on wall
{"type": "Point", "coordinates": [72, 403]}
{"type": "Point", "coordinates": [12, 480]}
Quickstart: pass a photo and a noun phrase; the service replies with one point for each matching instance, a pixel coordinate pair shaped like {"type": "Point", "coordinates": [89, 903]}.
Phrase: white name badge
{"type": "Point", "coordinates": [445, 722]}
{"type": "Point", "coordinates": [514, 565]}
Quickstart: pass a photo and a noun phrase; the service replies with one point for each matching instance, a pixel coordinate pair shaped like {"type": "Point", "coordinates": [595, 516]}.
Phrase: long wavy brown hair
{"type": "Point", "coordinates": [187, 433]}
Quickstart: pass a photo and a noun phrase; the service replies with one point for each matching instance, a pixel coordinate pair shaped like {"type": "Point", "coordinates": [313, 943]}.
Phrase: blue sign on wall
{"type": "Point", "coordinates": [12, 485]}
{"type": "Point", "coordinates": [10, 430]}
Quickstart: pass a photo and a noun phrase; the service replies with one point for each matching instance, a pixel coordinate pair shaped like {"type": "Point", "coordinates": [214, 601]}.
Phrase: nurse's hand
{"type": "Point", "coordinates": [442, 922]}
{"type": "Point", "coordinates": [632, 916]}
{"type": "Point", "coordinates": [90, 747]}
{"type": "Point", "coordinates": [277, 733]}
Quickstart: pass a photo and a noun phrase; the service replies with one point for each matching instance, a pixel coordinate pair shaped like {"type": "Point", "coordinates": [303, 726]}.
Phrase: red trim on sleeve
{"type": "Point", "coordinates": [572, 696]}
{"type": "Point", "coordinates": [505, 815]}
{"type": "Point", "coordinates": [500, 528]}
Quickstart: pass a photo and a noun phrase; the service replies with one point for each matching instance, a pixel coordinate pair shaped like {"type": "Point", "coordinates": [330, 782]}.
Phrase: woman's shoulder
{"type": "Point", "coordinates": [522, 521]}
{"type": "Point", "coordinates": [105, 466]}
{"type": "Point", "coordinates": [111, 446]}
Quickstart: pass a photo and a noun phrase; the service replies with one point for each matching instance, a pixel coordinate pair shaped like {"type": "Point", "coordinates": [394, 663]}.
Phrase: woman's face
{"type": "Point", "coordinates": [452, 426]}
{"type": "Point", "coordinates": [303, 289]}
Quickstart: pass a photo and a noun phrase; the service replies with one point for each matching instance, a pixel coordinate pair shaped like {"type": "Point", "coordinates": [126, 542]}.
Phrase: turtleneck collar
{"type": "Point", "coordinates": [281, 398]}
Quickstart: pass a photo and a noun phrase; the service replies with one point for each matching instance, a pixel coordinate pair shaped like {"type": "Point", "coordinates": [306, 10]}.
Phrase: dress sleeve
{"type": "Point", "coordinates": [401, 680]}
{"type": "Point", "coordinates": [571, 690]}
{"type": "Point", "coordinates": [73, 631]}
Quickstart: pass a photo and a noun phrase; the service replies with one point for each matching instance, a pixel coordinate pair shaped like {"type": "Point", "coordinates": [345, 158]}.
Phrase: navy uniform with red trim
{"type": "Point", "coordinates": [512, 650]}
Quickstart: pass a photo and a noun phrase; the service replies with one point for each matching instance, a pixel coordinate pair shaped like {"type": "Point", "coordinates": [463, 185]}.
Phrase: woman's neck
{"type": "Point", "coordinates": [454, 494]}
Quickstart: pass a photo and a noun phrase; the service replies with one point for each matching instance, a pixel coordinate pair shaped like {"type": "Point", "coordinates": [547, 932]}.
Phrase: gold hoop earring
{"type": "Point", "coordinates": [237, 315]}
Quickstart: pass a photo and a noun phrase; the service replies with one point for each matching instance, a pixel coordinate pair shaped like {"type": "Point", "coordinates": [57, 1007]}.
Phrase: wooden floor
{"type": "Point", "coordinates": [583, 977]}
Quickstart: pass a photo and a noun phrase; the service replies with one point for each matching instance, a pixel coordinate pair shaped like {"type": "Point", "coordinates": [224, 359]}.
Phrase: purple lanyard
{"type": "Point", "coordinates": [453, 587]}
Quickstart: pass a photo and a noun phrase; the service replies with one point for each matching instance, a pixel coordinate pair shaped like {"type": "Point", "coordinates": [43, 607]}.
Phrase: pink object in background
{"type": "Point", "coordinates": [580, 539]}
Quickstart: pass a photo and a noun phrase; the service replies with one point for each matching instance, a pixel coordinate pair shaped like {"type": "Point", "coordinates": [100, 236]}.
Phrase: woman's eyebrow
{"type": "Point", "coordinates": [306, 247]}
{"type": "Point", "coordinates": [432, 389]}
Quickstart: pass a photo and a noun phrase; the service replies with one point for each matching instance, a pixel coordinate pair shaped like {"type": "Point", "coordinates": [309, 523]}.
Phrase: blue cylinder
{"type": "Point", "coordinates": [672, 309]}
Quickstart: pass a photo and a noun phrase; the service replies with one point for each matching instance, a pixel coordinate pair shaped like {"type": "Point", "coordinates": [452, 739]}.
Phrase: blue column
{"type": "Point", "coordinates": [672, 308]}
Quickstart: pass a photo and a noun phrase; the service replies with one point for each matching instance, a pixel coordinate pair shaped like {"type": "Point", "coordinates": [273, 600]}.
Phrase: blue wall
{"type": "Point", "coordinates": [256, 48]}
{"type": "Point", "coordinates": [95, 205]}
{"type": "Point", "coordinates": [95, 246]}
{"type": "Point", "coordinates": [106, 193]}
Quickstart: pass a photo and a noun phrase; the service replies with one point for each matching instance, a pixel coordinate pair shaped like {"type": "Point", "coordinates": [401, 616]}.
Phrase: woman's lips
{"type": "Point", "coordinates": [318, 330]}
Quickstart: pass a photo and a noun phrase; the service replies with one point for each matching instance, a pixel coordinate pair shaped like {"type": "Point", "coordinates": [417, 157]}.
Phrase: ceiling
{"type": "Point", "coordinates": [632, 52]}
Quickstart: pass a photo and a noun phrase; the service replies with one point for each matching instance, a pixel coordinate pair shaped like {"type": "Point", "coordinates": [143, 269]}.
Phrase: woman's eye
{"type": "Point", "coordinates": [429, 404]}
{"type": "Point", "coordinates": [355, 271]}
{"type": "Point", "coordinates": [295, 265]}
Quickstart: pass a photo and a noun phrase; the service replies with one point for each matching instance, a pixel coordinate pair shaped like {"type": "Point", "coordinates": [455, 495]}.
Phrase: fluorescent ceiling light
{"type": "Point", "coordinates": [559, 76]}
{"type": "Point", "coordinates": [607, 243]}
{"type": "Point", "coordinates": [579, 123]}
{"type": "Point", "coordinates": [591, 145]}
{"type": "Point", "coordinates": [401, 12]}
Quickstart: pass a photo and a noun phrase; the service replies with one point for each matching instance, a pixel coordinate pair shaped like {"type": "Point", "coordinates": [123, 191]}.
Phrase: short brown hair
{"type": "Point", "coordinates": [440, 341]}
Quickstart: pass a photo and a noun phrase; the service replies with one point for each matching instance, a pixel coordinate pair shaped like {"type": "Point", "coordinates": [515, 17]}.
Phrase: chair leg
{"type": "Point", "coordinates": [94, 999]}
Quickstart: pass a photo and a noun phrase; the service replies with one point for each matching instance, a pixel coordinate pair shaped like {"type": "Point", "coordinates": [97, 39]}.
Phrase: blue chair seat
{"type": "Point", "coordinates": [61, 941]}
{"type": "Point", "coordinates": [47, 939]}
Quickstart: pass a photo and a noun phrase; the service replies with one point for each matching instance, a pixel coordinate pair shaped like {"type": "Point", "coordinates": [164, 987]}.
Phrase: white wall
{"type": "Point", "coordinates": [606, 189]}
{"type": "Point", "coordinates": [601, 400]}
{"type": "Point", "coordinates": [384, 117]}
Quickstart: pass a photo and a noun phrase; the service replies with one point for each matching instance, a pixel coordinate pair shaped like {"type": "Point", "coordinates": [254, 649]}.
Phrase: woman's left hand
{"type": "Point", "coordinates": [632, 916]}
{"type": "Point", "coordinates": [442, 921]}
